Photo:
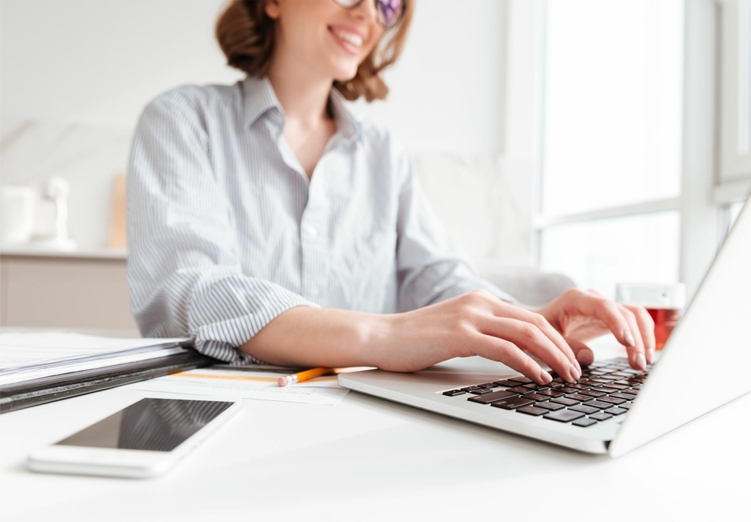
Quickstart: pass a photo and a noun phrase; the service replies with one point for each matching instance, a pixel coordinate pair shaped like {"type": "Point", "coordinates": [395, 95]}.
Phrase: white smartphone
{"type": "Point", "coordinates": [142, 440]}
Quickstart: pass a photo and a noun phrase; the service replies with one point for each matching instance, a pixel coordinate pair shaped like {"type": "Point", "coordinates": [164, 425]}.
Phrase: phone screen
{"type": "Point", "coordinates": [149, 425]}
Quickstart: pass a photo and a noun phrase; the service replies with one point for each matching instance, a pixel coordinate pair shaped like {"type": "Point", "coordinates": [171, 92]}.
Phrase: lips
{"type": "Point", "coordinates": [349, 40]}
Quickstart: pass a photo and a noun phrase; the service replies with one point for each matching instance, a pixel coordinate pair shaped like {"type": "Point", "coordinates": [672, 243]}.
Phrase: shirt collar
{"type": "Point", "coordinates": [260, 98]}
{"type": "Point", "coordinates": [347, 123]}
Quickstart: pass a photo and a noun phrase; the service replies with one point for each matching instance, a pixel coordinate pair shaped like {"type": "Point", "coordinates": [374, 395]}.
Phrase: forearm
{"type": "Point", "coordinates": [304, 336]}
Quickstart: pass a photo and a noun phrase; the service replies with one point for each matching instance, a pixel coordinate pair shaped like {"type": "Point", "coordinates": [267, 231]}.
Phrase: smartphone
{"type": "Point", "coordinates": [143, 440]}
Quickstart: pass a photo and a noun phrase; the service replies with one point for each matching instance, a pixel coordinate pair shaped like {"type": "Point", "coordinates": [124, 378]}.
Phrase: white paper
{"type": "Point", "coordinates": [246, 385]}
{"type": "Point", "coordinates": [29, 356]}
{"type": "Point", "coordinates": [38, 373]}
{"type": "Point", "coordinates": [21, 349]}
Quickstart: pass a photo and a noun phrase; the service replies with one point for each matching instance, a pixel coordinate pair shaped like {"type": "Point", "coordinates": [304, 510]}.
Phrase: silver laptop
{"type": "Point", "coordinates": [614, 409]}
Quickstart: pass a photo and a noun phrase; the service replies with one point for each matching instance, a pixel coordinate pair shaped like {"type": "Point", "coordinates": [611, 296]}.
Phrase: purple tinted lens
{"type": "Point", "coordinates": [390, 10]}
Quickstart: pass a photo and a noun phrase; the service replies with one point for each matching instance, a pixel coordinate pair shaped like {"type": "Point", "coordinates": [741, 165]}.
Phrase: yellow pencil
{"type": "Point", "coordinates": [303, 376]}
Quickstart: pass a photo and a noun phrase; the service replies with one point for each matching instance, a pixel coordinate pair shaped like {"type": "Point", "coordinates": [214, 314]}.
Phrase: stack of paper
{"type": "Point", "coordinates": [41, 367]}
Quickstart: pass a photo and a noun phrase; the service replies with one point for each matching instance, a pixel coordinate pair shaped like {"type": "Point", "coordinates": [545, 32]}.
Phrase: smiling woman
{"type": "Point", "coordinates": [246, 35]}
{"type": "Point", "coordinates": [271, 224]}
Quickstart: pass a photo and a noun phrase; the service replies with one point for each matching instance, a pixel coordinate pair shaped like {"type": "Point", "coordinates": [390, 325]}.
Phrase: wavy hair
{"type": "Point", "coordinates": [246, 36]}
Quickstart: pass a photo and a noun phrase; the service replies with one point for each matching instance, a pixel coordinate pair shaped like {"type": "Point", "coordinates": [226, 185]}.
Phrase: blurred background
{"type": "Point", "coordinates": [607, 140]}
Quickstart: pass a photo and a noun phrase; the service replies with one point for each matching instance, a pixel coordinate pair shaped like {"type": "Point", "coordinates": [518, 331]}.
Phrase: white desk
{"type": "Point", "coordinates": [368, 459]}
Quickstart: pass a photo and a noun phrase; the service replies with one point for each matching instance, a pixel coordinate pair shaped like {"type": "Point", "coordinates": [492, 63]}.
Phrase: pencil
{"type": "Point", "coordinates": [303, 376]}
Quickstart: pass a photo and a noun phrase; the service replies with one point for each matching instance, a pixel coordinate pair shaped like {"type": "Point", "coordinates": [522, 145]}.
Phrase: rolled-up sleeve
{"type": "Point", "coordinates": [184, 275]}
{"type": "Point", "coordinates": [430, 265]}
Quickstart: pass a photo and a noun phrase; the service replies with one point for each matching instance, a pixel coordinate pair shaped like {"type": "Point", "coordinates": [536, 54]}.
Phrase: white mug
{"type": "Point", "coordinates": [16, 214]}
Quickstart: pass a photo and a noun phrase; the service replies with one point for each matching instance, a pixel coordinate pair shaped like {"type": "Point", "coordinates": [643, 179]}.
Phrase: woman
{"type": "Point", "coordinates": [271, 224]}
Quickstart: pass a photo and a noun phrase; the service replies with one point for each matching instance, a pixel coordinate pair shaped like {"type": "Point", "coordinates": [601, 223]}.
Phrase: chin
{"type": "Point", "coordinates": [344, 74]}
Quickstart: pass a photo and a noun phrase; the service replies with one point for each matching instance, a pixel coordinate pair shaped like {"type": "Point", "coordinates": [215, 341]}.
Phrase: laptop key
{"type": "Point", "coordinates": [551, 393]}
{"type": "Point", "coordinates": [535, 396]}
{"type": "Point", "coordinates": [519, 389]}
{"type": "Point", "coordinates": [612, 400]}
{"type": "Point", "coordinates": [584, 409]}
{"type": "Point", "coordinates": [533, 410]}
{"type": "Point", "coordinates": [616, 410]}
{"type": "Point", "coordinates": [487, 398]}
{"type": "Point", "coordinates": [564, 401]}
{"type": "Point", "coordinates": [584, 423]}
{"type": "Point", "coordinates": [624, 396]}
{"type": "Point", "coordinates": [615, 386]}
{"type": "Point", "coordinates": [454, 393]}
{"type": "Point", "coordinates": [551, 405]}
{"type": "Point", "coordinates": [480, 391]}
{"type": "Point", "coordinates": [578, 397]}
{"type": "Point", "coordinates": [523, 380]}
{"type": "Point", "coordinates": [564, 416]}
{"type": "Point", "coordinates": [512, 404]}
{"type": "Point", "coordinates": [507, 383]}
{"type": "Point", "coordinates": [592, 393]}
{"type": "Point", "coordinates": [601, 416]}
{"type": "Point", "coordinates": [598, 404]}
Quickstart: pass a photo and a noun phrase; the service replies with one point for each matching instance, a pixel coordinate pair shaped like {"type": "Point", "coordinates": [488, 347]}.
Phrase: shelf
{"type": "Point", "coordinates": [87, 253]}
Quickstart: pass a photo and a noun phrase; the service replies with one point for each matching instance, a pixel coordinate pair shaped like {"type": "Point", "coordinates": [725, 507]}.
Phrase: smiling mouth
{"type": "Point", "coordinates": [351, 42]}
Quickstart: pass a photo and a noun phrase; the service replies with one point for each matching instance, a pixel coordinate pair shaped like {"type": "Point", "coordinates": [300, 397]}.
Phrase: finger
{"type": "Point", "coordinates": [584, 353]}
{"type": "Point", "coordinates": [528, 337]}
{"type": "Point", "coordinates": [647, 330]}
{"type": "Point", "coordinates": [636, 353]}
{"type": "Point", "coordinates": [612, 315]}
{"type": "Point", "coordinates": [516, 312]}
{"type": "Point", "coordinates": [508, 353]}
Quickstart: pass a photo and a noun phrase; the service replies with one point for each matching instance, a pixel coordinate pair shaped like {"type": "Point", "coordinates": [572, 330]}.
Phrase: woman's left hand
{"type": "Point", "coordinates": [581, 316]}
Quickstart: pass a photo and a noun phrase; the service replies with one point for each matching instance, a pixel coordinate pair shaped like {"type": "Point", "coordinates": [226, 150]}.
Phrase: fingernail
{"type": "Point", "coordinates": [640, 362]}
{"type": "Point", "coordinates": [629, 337]}
{"type": "Point", "coordinates": [650, 355]}
{"type": "Point", "coordinates": [545, 377]}
{"type": "Point", "coordinates": [575, 373]}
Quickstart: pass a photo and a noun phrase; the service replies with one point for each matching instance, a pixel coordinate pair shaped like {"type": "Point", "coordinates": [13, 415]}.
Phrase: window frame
{"type": "Point", "coordinates": [734, 179]}
{"type": "Point", "coordinates": [703, 218]}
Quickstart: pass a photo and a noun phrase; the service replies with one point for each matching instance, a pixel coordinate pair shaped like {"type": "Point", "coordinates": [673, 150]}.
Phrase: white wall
{"type": "Point", "coordinates": [96, 63]}
{"type": "Point", "coordinates": [99, 62]}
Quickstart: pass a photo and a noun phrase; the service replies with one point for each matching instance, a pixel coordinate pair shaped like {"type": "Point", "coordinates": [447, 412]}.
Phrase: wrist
{"type": "Point", "coordinates": [376, 338]}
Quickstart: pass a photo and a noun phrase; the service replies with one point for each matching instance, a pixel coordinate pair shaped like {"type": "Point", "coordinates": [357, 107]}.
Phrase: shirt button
{"type": "Point", "coordinates": [312, 232]}
{"type": "Point", "coordinates": [314, 291]}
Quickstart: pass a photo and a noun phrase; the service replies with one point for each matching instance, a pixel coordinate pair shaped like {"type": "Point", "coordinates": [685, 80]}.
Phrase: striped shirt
{"type": "Point", "coordinates": [226, 231]}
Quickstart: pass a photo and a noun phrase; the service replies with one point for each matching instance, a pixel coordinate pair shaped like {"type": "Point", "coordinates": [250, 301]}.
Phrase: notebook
{"type": "Point", "coordinates": [614, 409]}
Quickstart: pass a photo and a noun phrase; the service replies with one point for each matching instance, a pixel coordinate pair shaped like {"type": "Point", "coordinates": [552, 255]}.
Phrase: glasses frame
{"type": "Point", "coordinates": [357, 3]}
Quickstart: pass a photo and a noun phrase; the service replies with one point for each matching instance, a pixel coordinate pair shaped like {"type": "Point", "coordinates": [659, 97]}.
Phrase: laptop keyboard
{"type": "Point", "coordinates": [606, 390]}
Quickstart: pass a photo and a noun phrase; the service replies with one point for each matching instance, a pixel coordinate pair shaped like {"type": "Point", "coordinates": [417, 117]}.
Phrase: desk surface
{"type": "Point", "coordinates": [369, 459]}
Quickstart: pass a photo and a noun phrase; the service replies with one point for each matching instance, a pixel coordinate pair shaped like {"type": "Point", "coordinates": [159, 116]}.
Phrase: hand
{"type": "Point", "coordinates": [477, 323]}
{"type": "Point", "coordinates": [584, 315]}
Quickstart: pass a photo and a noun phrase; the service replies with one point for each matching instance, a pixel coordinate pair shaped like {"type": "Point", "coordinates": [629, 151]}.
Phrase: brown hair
{"type": "Point", "coordinates": [246, 37]}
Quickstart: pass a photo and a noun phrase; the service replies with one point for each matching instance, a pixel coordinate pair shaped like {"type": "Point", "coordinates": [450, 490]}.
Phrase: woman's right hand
{"type": "Point", "coordinates": [476, 323]}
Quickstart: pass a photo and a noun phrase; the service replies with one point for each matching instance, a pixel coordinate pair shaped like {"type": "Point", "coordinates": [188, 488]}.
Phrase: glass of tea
{"type": "Point", "coordinates": [664, 302]}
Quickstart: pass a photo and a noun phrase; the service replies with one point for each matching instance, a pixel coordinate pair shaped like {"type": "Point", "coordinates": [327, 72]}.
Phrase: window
{"type": "Point", "coordinates": [612, 141]}
{"type": "Point", "coordinates": [635, 95]}
{"type": "Point", "coordinates": [735, 146]}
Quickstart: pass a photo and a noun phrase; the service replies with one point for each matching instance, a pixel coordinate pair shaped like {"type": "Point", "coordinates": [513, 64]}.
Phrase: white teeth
{"type": "Point", "coordinates": [351, 38]}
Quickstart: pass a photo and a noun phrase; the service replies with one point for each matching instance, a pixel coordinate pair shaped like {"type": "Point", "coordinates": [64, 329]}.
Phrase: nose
{"type": "Point", "coordinates": [366, 11]}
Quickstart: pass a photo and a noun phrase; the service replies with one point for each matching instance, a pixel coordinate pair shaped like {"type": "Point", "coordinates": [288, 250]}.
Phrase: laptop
{"type": "Point", "coordinates": [612, 409]}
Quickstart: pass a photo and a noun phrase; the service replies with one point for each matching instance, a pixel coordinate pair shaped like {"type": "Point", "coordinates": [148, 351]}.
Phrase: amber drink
{"type": "Point", "coordinates": [664, 302]}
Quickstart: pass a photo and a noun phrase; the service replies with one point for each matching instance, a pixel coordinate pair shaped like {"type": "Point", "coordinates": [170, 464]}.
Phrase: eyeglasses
{"type": "Point", "coordinates": [389, 12]}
